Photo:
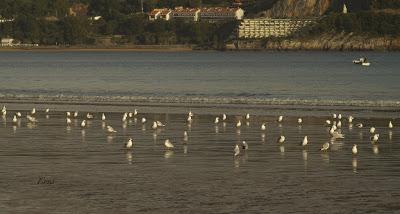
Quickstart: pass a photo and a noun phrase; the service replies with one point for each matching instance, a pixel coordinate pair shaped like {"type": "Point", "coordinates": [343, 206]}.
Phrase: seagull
{"type": "Point", "coordinates": [300, 121]}
{"type": "Point", "coordinates": [216, 121]}
{"type": "Point", "coordinates": [135, 112]}
{"type": "Point", "coordinates": [263, 127]}
{"type": "Point", "coordinates": [143, 120]}
{"type": "Point", "coordinates": [390, 125]}
{"type": "Point", "coordinates": [239, 124]}
{"type": "Point", "coordinates": [336, 134]}
{"type": "Point", "coordinates": [4, 112]}
{"type": "Point", "coordinates": [154, 125]}
{"type": "Point", "coordinates": [103, 116]}
{"type": "Point", "coordinates": [340, 116]}
{"type": "Point", "coordinates": [339, 124]}
{"type": "Point", "coordinates": [4, 108]}
{"type": "Point", "coordinates": [280, 118]}
{"type": "Point", "coordinates": [68, 121]}
{"type": "Point", "coordinates": [185, 136]}
{"type": "Point", "coordinates": [15, 120]}
{"type": "Point", "coordinates": [76, 114]}
{"type": "Point", "coordinates": [375, 138]}
{"type": "Point", "coordinates": [159, 124]}
{"type": "Point", "coordinates": [110, 129]}
{"type": "Point", "coordinates": [359, 125]}
{"type": "Point", "coordinates": [236, 150]}
{"type": "Point", "coordinates": [281, 139]}
{"type": "Point", "coordinates": [168, 144]}
{"type": "Point", "coordinates": [351, 118]}
{"type": "Point", "coordinates": [334, 116]}
{"type": "Point", "coordinates": [354, 149]}
{"type": "Point", "coordinates": [68, 114]}
{"type": "Point", "coordinates": [129, 144]}
{"type": "Point", "coordinates": [47, 110]}
{"type": "Point", "coordinates": [245, 146]}
{"type": "Point", "coordinates": [247, 116]}
{"type": "Point", "coordinates": [325, 147]}
{"type": "Point", "coordinates": [224, 117]}
{"type": "Point", "coordinates": [130, 114]}
{"type": "Point", "coordinates": [83, 123]}
{"type": "Point", "coordinates": [372, 130]}
{"type": "Point", "coordinates": [190, 114]}
{"type": "Point", "coordinates": [19, 114]}
{"type": "Point", "coordinates": [189, 118]}
{"type": "Point", "coordinates": [305, 141]}
{"type": "Point", "coordinates": [124, 117]}
{"type": "Point", "coordinates": [31, 119]}
{"type": "Point", "coordinates": [89, 116]}
{"type": "Point", "coordinates": [33, 111]}
{"type": "Point", "coordinates": [328, 122]}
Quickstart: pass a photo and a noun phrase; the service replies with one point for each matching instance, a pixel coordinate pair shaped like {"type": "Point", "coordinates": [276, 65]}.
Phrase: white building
{"type": "Point", "coordinates": [267, 27]}
{"type": "Point", "coordinates": [7, 42]}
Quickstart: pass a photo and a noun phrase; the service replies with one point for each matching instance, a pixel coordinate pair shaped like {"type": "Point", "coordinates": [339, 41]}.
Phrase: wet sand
{"type": "Point", "coordinates": [89, 171]}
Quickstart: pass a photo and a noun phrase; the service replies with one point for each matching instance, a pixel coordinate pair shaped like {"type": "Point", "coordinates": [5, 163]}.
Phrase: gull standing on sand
{"type": "Point", "coordinates": [216, 121]}
{"type": "Point", "coordinates": [300, 120]}
{"type": "Point", "coordinates": [168, 144]}
{"type": "Point", "coordinates": [280, 118]}
{"type": "Point", "coordinates": [325, 147]}
{"type": "Point", "coordinates": [135, 112]}
{"type": "Point", "coordinates": [236, 150]}
{"type": "Point", "coordinates": [154, 126]}
{"type": "Point", "coordinates": [334, 116]}
{"type": "Point", "coordinates": [15, 120]}
{"type": "Point", "coordinates": [89, 116]}
{"type": "Point", "coordinates": [33, 111]}
{"type": "Point", "coordinates": [372, 130]}
{"type": "Point", "coordinates": [189, 118]}
{"type": "Point", "coordinates": [75, 114]}
{"type": "Point", "coordinates": [130, 114]}
{"type": "Point", "coordinates": [224, 117]}
{"type": "Point", "coordinates": [375, 138]}
{"type": "Point", "coordinates": [305, 141]}
{"type": "Point", "coordinates": [103, 116]}
{"type": "Point", "coordinates": [18, 114]}
{"type": "Point", "coordinates": [129, 144]}
{"type": "Point", "coordinates": [83, 123]}
{"type": "Point", "coordinates": [68, 114]}
{"type": "Point", "coordinates": [328, 122]}
{"type": "Point", "coordinates": [239, 124]}
{"type": "Point", "coordinates": [111, 129]}
{"type": "Point", "coordinates": [159, 124]}
{"type": "Point", "coordinates": [124, 117]}
{"type": "Point", "coordinates": [359, 125]}
{"type": "Point", "coordinates": [281, 139]}
{"type": "Point", "coordinates": [68, 121]}
{"type": "Point", "coordinates": [31, 119]}
{"type": "Point", "coordinates": [351, 118]}
{"type": "Point", "coordinates": [247, 116]}
{"type": "Point", "coordinates": [144, 120]}
{"type": "Point", "coordinates": [245, 146]}
{"type": "Point", "coordinates": [354, 149]}
{"type": "Point", "coordinates": [339, 124]}
{"type": "Point", "coordinates": [390, 125]}
{"type": "Point", "coordinates": [47, 110]}
{"type": "Point", "coordinates": [335, 134]}
{"type": "Point", "coordinates": [340, 116]}
{"type": "Point", "coordinates": [263, 127]}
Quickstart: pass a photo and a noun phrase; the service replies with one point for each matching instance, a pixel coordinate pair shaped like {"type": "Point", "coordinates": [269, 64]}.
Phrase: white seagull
{"type": "Point", "coordinates": [336, 134]}
{"type": "Point", "coordinates": [390, 125]}
{"type": "Point", "coordinates": [33, 111]}
{"type": "Point", "coordinates": [103, 116]}
{"type": "Point", "coordinates": [263, 127]}
{"type": "Point", "coordinates": [305, 141]}
{"type": "Point", "coordinates": [238, 124]}
{"type": "Point", "coordinates": [68, 121]}
{"type": "Point", "coordinates": [216, 121]}
{"type": "Point", "coordinates": [111, 129]}
{"type": "Point", "coordinates": [351, 118]}
{"type": "Point", "coordinates": [247, 116]}
{"type": "Point", "coordinates": [189, 118]}
{"type": "Point", "coordinates": [245, 146]}
{"type": "Point", "coordinates": [168, 144]}
{"type": "Point", "coordinates": [328, 122]}
{"type": "Point", "coordinates": [236, 150]}
{"type": "Point", "coordinates": [31, 119]}
{"type": "Point", "coordinates": [354, 149]}
{"type": "Point", "coordinates": [159, 124]}
{"type": "Point", "coordinates": [280, 118]}
{"type": "Point", "coordinates": [135, 112]}
{"type": "Point", "coordinates": [129, 144]}
{"type": "Point", "coordinates": [325, 147]}
{"type": "Point", "coordinates": [281, 139]}
{"type": "Point", "coordinates": [154, 126]}
{"type": "Point", "coordinates": [89, 116]}
{"type": "Point", "coordinates": [375, 138]}
{"type": "Point", "coordinates": [300, 121]}
{"type": "Point", "coordinates": [224, 117]}
{"type": "Point", "coordinates": [76, 114]}
{"type": "Point", "coordinates": [359, 125]}
{"type": "Point", "coordinates": [19, 114]}
{"type": "Point", "coordinates": [83, 123]}
{"type": "Point", "coordinates": [47, 110]}
{"type": "Point", "coordinates": [68, 114]}
{"type": "Point", "coordinates": [15, 120]}
{"type": "Point", "coordinates": [372, 130]}
{"type": "Point", "coordinates": [144, 120]}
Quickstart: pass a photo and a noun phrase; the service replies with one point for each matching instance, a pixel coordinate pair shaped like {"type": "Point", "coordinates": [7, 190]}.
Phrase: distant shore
{"type": "Point", "coordinates": [144, 48]}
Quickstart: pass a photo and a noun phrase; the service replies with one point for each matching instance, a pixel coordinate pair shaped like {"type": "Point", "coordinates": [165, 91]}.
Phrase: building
{"type": "Point", "coordinates": [7, 42]}
{"type": "Point", "coordinates": [266, 27]}
{"type": "Point", "coordinates": [78, 9]}
{"type": "Point", "coordinates": [164, 13]}
{"type": "Point", "coordinates": [221, 13]}
{"type": "Point", "coordinates": [192, 14]}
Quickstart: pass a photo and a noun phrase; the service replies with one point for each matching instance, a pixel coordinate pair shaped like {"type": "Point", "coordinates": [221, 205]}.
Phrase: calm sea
{"type": "Point", "coordinates": [310, 78]}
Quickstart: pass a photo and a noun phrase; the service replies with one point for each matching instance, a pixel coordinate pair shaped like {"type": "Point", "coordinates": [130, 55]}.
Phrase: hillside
{"type": "Point", "coordinates": [298, 8]}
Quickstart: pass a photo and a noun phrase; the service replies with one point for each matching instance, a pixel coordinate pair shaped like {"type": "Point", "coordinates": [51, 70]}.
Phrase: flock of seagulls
{"type": "Point", "coordinates": [334, 125]}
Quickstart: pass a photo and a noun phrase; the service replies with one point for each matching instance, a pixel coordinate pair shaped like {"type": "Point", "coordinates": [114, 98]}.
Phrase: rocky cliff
{"type": "Point", "coordinates": [338, 42]}
{"type": "Point", "coordinates": [298, 8]}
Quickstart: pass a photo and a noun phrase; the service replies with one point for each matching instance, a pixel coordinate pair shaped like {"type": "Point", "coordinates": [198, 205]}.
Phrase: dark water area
{"type": "Point", "coordinates": [51, 167]}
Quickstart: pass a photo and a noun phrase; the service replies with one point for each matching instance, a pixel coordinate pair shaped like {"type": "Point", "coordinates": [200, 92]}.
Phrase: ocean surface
{"type": "Point", "coordinates": [294, 78]}
{"type": "Point", "coordinates": [51, 167]}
